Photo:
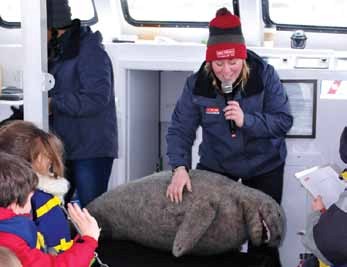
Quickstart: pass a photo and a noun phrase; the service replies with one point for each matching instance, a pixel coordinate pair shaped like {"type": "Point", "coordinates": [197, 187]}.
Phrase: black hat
{"type": "Point", "coordinates": [343, 145]}
{"type": "Point", "coordinates": [58, 13]}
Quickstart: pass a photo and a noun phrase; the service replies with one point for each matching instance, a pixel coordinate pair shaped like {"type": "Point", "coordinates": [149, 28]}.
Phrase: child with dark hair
{"type": "Point", "coordinates": [44, 152]}
{"type": "Point", "coordinates": [19, 233]}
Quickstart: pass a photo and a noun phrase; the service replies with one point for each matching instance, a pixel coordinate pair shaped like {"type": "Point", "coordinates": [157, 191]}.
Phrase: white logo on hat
{"type": "Point", "coordinates": [225, 53]}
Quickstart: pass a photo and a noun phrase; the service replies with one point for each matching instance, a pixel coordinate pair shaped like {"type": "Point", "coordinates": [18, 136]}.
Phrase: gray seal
{"type": "Point", "coordinates": [219, 215]}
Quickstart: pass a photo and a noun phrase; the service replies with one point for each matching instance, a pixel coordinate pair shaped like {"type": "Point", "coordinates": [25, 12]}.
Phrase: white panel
{"type": "Point", "coordinates": [142, 123]}
{"type": "Point", "coordinates": [296, 205]}
{"type": "Point", "coordinates": [171, 86]}
{"type": "Point", "coordinates": [11, 61]}
{"type": "Point", "coordinates": [34, 27]}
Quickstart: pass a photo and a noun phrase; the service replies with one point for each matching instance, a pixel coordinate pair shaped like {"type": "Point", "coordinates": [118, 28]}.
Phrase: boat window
{"type": "Point", "coordinates": [179, 13]}
{"type": "Point", "coordinates": [10, 14]}
{"type": "Point", "coordinates": [310, 15]}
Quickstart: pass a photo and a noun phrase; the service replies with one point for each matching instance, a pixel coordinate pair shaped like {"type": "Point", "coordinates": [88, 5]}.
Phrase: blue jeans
{"type": "Point", "coordinates": [89, 177]}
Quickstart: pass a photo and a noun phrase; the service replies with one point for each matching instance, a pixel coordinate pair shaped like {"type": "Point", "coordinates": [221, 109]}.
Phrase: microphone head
{"type": "Point", "coordinates": [227, 87]}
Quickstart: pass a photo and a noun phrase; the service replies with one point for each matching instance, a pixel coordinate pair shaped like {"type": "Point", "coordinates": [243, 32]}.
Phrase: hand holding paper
{"type": "Point", "coordinates": [317, 204]}
{"type": "Point", "coordinates": [322, 181]}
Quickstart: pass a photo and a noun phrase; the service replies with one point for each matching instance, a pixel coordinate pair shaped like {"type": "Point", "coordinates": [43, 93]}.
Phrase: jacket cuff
{"type": "Point", "coordinates": [175, 168]}
{"type": "Point", "coordinates": [90, 240]}
{"type": "Point", "coordinates": [249, 121]}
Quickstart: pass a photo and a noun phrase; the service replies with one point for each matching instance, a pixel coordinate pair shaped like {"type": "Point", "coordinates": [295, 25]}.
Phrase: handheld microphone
{"type": "Point", "coordinates": [228, 90]}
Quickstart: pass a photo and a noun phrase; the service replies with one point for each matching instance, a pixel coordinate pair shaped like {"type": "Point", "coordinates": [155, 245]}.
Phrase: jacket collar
{"type": "Point", "coordinates": [19, 225]}
{"type": "Point", "coordinates": [55, 186]}
{"type": "Point", "coordinates": [254, 85]}
{"type": "Point", "coordinates": [68, 44]}
{"type": "Point", "coordinates": [6, 214]}
{"type": "Point", "coordinates": [203, 84]}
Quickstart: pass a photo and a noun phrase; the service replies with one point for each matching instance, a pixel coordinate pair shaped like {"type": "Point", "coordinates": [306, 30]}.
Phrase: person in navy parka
{"type": "Point", "coordinates": [82, 102]}
{"type": "Point", "coordinates": [260, 109]}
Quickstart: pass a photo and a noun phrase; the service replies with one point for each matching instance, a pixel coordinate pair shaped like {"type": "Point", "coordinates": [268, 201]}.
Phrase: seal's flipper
{"type": "Point", "coordinates": [255, 227]}
{"type": "Point", "coordinates": [196, 222]}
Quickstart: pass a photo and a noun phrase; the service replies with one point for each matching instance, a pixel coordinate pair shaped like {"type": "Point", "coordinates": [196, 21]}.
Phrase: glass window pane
{"type": "Point", "coordinates": [10, 9]}
{"type": "Point", "coordinates": [178, 10]}
{"type": "Point", "coordinates": [309, 12]}
{"type": "Point", "coordinates": [82, 9]}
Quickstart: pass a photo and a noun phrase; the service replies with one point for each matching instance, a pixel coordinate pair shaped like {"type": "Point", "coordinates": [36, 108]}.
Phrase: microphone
{"type": "Point", "coordinates": [228, 90]}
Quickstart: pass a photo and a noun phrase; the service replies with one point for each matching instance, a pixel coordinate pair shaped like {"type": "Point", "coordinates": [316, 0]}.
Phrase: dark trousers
{"type": "Point", "coordinates": [270, 183]}
{"type": "Point", "coordinates": [89, 177]}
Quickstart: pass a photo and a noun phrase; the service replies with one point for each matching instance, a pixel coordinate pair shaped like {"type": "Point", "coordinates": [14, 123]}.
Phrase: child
{"type": "Point", "coordinates": [343, 152]}
{"type": "Point", "coordinates": [44, 152]}
{"type": "Point", "coordinates": [8, 259]}
{"type": "Point", "coordinates": [343, 145]}
{"type": "Point", "coordinates": [325, 234]}
{"type": "Point", "coordinates": [17, 230]}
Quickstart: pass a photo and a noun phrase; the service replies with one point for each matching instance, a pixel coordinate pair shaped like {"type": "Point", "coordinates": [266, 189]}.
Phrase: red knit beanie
{"type": "Point", "coordinates": [225, 40]}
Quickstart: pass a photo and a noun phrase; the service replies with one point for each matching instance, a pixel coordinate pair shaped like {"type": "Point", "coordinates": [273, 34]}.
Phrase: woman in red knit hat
{"type": "Point", "coordinates": [243, 109]}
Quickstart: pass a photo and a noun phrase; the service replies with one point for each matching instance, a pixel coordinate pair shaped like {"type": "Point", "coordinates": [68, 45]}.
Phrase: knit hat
{"type": "Point", "coordinates": [58, 13]}
{"type": "Point", "coordinates": [225, 40]}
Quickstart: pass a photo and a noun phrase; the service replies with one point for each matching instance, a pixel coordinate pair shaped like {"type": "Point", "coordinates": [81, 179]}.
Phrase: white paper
{"type": "Point", "coordinates": [323, 181]}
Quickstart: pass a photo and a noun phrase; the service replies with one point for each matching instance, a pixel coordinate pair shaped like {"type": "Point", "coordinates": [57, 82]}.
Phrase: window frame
{"type": "Point", "coordinates": [291, 27]}
{"type": "Point", "coordinates": [17, 24]}
{"type": "Point", "coordinates": [314, 83]}
{"type": "Point", "coordinates": [9, 24]}
{"type": "Point", "coordinates": [168, 24]}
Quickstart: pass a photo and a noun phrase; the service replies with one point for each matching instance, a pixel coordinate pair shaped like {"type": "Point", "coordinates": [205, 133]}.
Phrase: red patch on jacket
{"type": "Point", "coordinates": [212, 110]}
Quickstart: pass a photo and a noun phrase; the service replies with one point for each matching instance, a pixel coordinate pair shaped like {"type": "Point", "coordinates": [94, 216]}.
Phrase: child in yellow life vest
{"type": "Point", "coordinates": [19, 233]}
{"type": "Point", "coordinates": [44, 151]}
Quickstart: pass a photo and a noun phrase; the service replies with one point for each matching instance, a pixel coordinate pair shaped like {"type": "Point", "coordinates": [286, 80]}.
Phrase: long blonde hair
{"type": "Point", "coordinates": [242, 79]}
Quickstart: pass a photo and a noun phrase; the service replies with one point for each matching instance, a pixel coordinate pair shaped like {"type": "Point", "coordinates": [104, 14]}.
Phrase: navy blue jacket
{"type": "Point", "coordinates": [22, 226]}
{"type": "Point", "coordinates": [330, 232]}
{"type": "Point", "coordinates": [83, 100]}
{"type": "Point", "coordinates": [343, 145]}
{"type": "Point", "coordinates": [259, 146]}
